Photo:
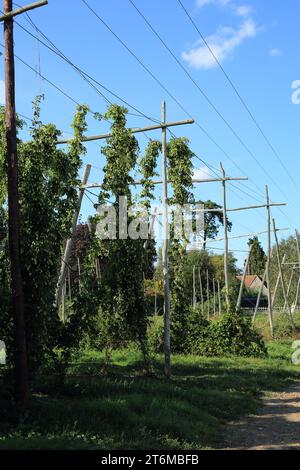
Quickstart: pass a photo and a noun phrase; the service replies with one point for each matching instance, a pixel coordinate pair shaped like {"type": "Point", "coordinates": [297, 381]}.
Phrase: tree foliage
{"type": "Point", "coordinates": [257, 261]}
{"type": "Point", "coordinates": [122, 306]}
{"type": "Point", "coordinates": [48, 181]}
{"type": "Point", "coordinates": [213, 221]}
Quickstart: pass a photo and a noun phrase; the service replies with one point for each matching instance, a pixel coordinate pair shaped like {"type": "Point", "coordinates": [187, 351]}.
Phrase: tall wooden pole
{"type": "Point", "coordinates": [70, 241]}
{"type": "Point", "coordinates": [226, 253]}
{"type": "Point", "coordinates": [239, 301]}
{"type": "Point", "coordinates": [20, 359]}
{"type": "Point", "coordinates": [79, 275]}
{"type": "Point", "coordinates": [219, 299]}
{"type": "Point", "coordinates": [165, 248]}
{"type": "Point", "coordinates": [298, 252]}
{"type": "Point", "coordinates": [201, 291]}
{"type": "Point", "coordinates": [282, 278]}
{"type": "Point", "coordinates": [214, 291]}
{"type": "Point", "coordinates": [268, 277]}
{"type": "Point", "coordinates": [277, 282]}
{"type": "Point", "coordinates": [259, 294]}
{"type": "Point", "coordinates": [297, 295]}
{"type": "Point", "coordinates": [289, 286]}
{"type": "Point", "coordinates": [194, 287]}
{"type": "Point", "coordinates": [208, 296]}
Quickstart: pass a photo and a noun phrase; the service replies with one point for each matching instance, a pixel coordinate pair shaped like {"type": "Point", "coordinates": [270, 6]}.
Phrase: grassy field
{"type": "Point", "coordinates": [127, 410]}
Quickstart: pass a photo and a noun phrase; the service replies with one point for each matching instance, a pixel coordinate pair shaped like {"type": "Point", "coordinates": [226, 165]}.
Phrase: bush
{"type": "Point", "coordinates": [283, 328]}
{"type": "Point", "coordinates": [156, 335]}
{"type": "Point", "coordinates": [197, 332]}
{"type": "Point", "coordinates": [233, 334]}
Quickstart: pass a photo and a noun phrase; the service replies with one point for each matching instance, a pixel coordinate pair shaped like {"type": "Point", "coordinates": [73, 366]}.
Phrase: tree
{"type": "Point", "coordinates": [258, 258]}
{"type": "Point", "coordinates": [213, 221]}
{"type": "Point", "coordinates": [48, 183]}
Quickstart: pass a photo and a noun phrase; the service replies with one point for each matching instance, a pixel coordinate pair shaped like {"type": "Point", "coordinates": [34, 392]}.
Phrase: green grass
{"type": "Point", "coordinates": [282, 325]}
{"type": "Point", "coordinates": [127, 410]}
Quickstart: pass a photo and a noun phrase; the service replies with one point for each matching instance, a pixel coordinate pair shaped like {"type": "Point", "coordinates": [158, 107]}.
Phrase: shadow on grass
{"type": "Point", "coordinates": [128, 411]}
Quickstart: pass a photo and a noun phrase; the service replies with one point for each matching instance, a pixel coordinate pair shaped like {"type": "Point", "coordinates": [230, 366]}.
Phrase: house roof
{"type": "Point", "coordinates": [249, 279]}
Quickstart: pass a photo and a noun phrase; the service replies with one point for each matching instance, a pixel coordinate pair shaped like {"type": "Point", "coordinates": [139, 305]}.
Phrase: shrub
{"type": "Point", "coordinates": [197, 332]}
{"type": "Point", "coordinates": [283, 328]}
{"type": "Point", "coordinates": [233, 334]}
{"type": "Point", "coordinates": [156, 335]}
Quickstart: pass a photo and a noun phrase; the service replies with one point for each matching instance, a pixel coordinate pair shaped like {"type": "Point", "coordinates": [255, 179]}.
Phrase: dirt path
{"type": "Point", "coordinates": [275, 426]}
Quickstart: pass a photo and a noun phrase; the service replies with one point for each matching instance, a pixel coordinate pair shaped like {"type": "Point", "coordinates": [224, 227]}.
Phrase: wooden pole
{"type": "Point", "coordinates": [239, 301]}
{"type": "Point", "coordinates": [20, 359]}
{"type": "Point", "coordinates": [238, 237]}
{"type": "Point", "coordinates": [201, 291]}
{"type": "Point", "coordinates": [165, 248]}
{"type": "Point", "coordinates": [70, 241]}
{"type": "Point", "coordinates": [282, 278]}
{"type": "Point", "coordinates": [163, 125]}
{"type": "Point", "coordinates": [289, 287]}
{"type": "Point", "coordinates": [194, 180]}
{"type": "Point", "coordinates": [219, 299]}
{"type": "Point", "coordinates": [261, 206]}
{"type": "Point", "coordinates": [298, 252]}
{"type": "Point", "coordinates": [277, 282]}
{"type": "Point", "coordinates": [11, 14]}
{"type": "Point", "coordinates": [268, 276]}
{"type": "Point", "coordinates": [194, 287]}
{"type": "Point", "coordinates": [79, 275]}
{"type": "Point", "coordinates": [297, 245]}
{"type": "Point", "coordinates": [64, 291]}
{"type": "Point", "coordinates": [214, 291]}
{"type": "Point", "coordinates": [69, 284]}
{"type": "Point", "coordinates": [208, 296]}
{"type": "Point", "coordinates": [18, 307]}
{"type": "Point", "coordinates": [226, 275]}
{"type": "Point", "coordinates": [297, 295]}
{"type": "Point", "coordinates": [259, 295]}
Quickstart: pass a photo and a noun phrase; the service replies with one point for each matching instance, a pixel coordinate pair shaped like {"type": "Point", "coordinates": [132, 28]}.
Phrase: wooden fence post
{"type": "Point", "coordinates": [281, 277]}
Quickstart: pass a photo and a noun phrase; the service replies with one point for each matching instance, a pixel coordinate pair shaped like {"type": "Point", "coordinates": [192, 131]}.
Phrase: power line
{"type": "Point", "coordinates": [177, 101]}
{"type": "Point", "coordinates": [234, 87]}
{"type": "Point", "coordinates": [210, 102]}
{"type": "Point", "coordinates": [88, 78]}
{"type": "Point", "coordinates": [61, 55]}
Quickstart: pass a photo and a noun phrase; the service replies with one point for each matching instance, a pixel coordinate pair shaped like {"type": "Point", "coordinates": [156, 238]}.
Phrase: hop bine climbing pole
{"type": "Point", "coordinates": [163, 127]}
{"type": "Point", "coordinates": [20, 359]}
{"type": "Point", "coordinates": [70, 241]}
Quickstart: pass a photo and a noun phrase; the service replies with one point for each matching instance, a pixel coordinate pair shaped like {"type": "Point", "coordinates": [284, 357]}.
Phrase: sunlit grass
{"type": "Point", "coordinates": [127, 410]}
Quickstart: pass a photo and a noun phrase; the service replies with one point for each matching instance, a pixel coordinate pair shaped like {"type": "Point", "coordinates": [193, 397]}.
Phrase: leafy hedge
{"type": "Point", "coordinates": [230, 334]}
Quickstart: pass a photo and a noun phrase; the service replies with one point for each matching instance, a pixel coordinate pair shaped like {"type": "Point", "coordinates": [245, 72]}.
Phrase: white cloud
{"type": "Point", "coordinates": [275, 52]}
{"type": "Point", "coordinates": [2, 92]}
{"type": "Point", "coordinates": [202, 3]}
{"type": "Point", "coordinates": [243, 10]}
{"type": "Point", "coordinates": [201, 173]}
{"type": "Point", "coordinates": [222, 43]}
{"type": "Point", "coordinates": [240, 10]}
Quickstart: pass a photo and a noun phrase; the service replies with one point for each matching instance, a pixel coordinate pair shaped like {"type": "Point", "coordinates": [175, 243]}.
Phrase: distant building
{"type": "Point", "coordinates": [253, 284]}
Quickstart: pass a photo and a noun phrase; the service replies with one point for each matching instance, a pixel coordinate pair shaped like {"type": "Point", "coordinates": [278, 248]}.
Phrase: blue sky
{"type": "Point", "coordinates": [257, 44]}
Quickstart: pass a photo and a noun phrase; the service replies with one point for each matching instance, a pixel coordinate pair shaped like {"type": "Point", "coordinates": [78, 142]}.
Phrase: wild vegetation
{"type": "Point", "coordinates": [96, 362]}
